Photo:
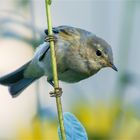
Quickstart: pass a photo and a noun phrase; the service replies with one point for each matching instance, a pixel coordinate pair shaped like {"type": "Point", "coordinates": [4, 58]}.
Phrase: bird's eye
{"type": "Point", "coordinates": [98, 53]}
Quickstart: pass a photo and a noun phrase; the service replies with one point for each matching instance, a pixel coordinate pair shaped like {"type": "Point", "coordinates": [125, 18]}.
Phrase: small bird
{"type": "Point", "coordinates": [79, 54]}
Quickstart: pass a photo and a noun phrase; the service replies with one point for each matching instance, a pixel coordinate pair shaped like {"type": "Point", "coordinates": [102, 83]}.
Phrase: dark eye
{"type": "Point", "coordinates": [98, 53]}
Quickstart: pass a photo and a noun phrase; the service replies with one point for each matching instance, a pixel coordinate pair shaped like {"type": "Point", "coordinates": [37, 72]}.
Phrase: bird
{"type": "Point", "coordinates": [79, 55]}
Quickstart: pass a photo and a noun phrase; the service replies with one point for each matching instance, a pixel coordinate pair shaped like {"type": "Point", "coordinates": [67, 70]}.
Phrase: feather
{"type": "Point", "coordinates": [15, 76]}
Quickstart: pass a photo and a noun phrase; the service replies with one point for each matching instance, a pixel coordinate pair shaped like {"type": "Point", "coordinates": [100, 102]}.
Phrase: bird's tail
{"type": "Point", "coordinates": [16, 81]}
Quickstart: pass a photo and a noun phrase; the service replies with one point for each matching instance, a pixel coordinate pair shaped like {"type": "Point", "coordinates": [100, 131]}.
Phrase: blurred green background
{"type": "Point", "coordinates": [107, 104]}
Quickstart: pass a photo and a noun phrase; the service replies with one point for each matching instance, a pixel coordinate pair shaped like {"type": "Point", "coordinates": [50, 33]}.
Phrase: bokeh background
{"type": "Point", "coordinates": [107, 104]}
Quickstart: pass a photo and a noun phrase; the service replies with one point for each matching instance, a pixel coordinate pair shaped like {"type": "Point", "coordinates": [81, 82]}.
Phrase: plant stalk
{"type": "Point", "coordinates": [54, 69]}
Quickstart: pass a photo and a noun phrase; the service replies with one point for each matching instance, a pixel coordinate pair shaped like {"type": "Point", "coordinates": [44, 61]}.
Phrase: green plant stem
{"type": "Point", "coordinates": [54, 69]}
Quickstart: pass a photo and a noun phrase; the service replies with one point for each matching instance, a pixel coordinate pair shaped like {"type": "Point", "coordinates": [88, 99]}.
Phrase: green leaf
{"type": "Point", "coordinates": [74, 129]}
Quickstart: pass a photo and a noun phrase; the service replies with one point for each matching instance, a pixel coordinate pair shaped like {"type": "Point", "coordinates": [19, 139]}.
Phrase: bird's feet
{"type": "Point", "coordinates": [50, 38]}
{"type": "Point", "coordinates": [56, 93]}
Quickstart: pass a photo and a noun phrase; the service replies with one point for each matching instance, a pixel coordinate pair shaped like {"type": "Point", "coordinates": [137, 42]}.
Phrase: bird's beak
{"type": "Point", "coordinates": [113, 67]}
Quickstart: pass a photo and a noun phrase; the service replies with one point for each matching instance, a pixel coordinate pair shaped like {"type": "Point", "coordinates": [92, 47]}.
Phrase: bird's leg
{"type": "Point", "coordinates": [50, 82]}
{"type": "Point", "coordinates": [57, 91]}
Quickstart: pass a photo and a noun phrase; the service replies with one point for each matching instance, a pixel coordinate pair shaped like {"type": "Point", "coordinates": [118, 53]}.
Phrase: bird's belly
{"type": "Point", "coordinates": [72, 76]}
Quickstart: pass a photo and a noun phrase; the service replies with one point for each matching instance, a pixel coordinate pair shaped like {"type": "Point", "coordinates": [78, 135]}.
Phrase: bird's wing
{"type": "Point", "coordinates": [42, 50]}
{"type": "Point", "coordinates": [66, 32]}
{"type": "Point", "coordinates": [42, 55]}
{"type": "Point", "coordinates": [34, 70]}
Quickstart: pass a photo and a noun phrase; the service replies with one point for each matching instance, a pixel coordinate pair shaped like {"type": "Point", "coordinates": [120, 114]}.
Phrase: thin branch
{"type": "Point", "coordinates": [54, 69]}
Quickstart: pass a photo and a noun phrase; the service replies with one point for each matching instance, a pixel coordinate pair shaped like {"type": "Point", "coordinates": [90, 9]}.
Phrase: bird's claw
{"type": "Point", "coordinates": [50, 38]}
{"type": "Point", "coordinates": [56, 93]}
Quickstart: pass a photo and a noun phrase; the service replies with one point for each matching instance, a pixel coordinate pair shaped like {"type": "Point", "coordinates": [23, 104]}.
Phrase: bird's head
{"type": "Point", "coordinates": [102, 55]}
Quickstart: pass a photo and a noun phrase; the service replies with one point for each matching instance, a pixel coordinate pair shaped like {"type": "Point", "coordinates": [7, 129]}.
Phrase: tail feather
{"type": "Point", "coordinates": [16, 81]}
{"type": "Point", "coordinates": [14, 76]}
{"type": "Point", "coordinates": [16, 88]}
